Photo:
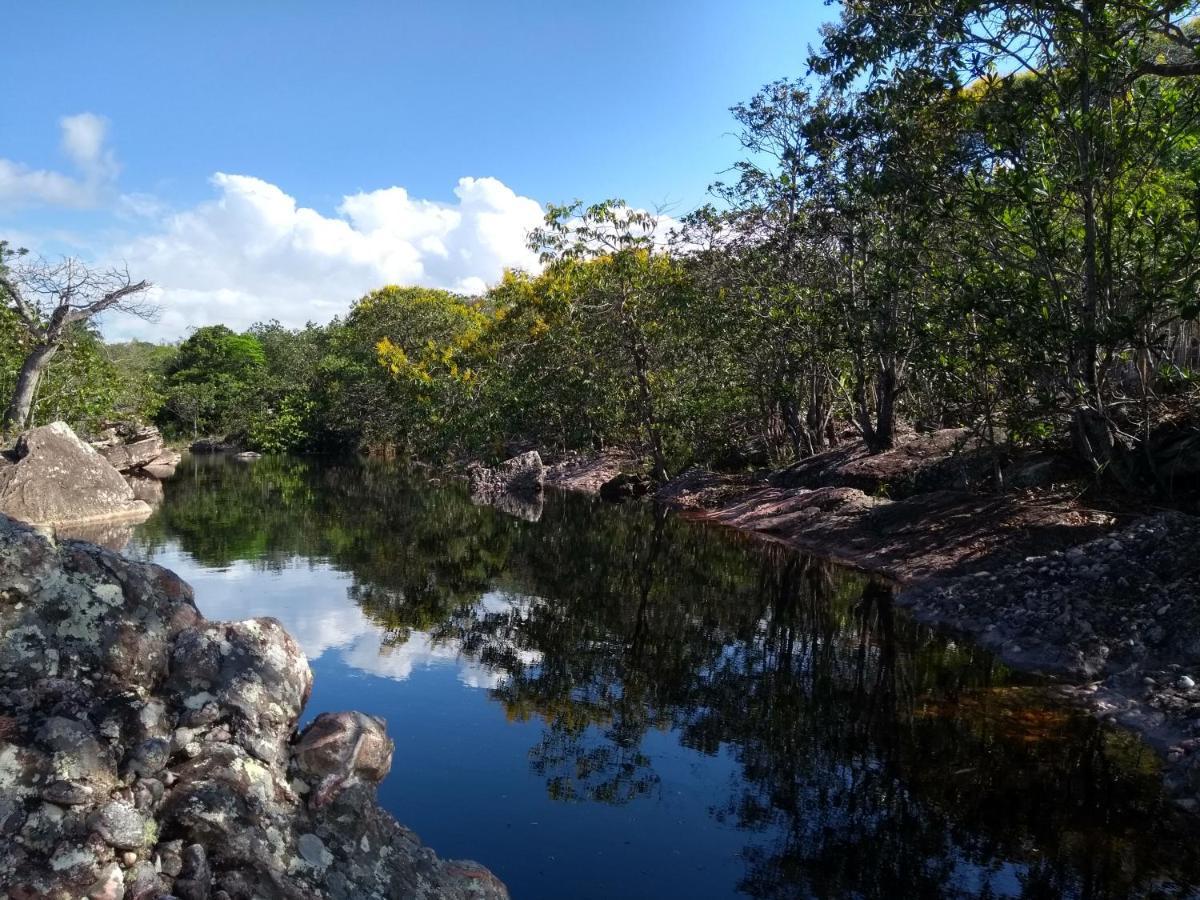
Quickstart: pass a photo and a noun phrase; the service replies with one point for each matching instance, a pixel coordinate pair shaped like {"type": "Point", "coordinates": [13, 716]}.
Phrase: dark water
{"type": "Point", "coordinates": [615, 703]}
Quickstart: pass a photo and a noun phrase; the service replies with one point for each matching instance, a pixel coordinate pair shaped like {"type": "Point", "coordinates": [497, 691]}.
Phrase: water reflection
{"type": "Point", "coordinates": [872, 758]}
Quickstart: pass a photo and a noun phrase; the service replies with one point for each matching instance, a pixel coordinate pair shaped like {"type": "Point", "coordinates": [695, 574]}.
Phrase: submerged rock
{"type": "Point", "coordinates": [147, 752]}
{"type": "Point", "coordinates": [54, 478]}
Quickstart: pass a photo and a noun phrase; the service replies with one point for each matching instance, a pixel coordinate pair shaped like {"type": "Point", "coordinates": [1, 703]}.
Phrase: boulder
{"type": "Point", "coordinates": [521, 476]}
{"type": "Point", "coordinates": [148, 752]}
{"type": "Point", "coordinates": [54, 478]}
{"type": "Point", "coordinates": [130, 447]}
{"type": "Point", "coordinates": [626, 486]}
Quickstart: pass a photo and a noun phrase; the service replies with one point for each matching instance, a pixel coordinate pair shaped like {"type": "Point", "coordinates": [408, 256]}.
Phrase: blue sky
{"type": "Point", "coordinates": [313, 103]}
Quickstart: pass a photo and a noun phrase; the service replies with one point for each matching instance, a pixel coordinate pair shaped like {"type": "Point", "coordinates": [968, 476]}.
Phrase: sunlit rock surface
{"type": "Point", "coordinates": [53, 478]}
{"type": "Point", "coordinates": [146, 751]}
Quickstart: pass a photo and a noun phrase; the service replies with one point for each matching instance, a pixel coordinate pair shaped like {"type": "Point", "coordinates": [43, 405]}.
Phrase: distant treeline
{"type": "Point", "coordinates": [966, 213]}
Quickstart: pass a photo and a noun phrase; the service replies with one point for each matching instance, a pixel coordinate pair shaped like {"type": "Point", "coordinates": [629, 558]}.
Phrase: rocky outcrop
{"type": "Point", "coordinates": [930, 535]}
{"type": "Point", "coordinates": [54, 478]}
{"type": "Point", "coordinates": [137, 449]}
{"type": "Point", "coordinates": [522, 476]}
{"type": "Point", "coordinates": [145, 751]}
{"type": "Point", "coordinates": [585, 473]}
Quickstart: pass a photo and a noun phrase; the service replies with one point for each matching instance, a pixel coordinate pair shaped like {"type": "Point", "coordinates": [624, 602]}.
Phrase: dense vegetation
{"type": "Point", "coordinates": [967, 213]}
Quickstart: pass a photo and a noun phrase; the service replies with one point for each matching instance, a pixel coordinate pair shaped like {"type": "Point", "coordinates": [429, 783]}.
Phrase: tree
{"type": "Point", "coordinates": [610, 252]}
{"type": "Point", "coordinates": [49, 300]}
{"type": "Point", "coordinates": [211, 379]}
{"type": "Point", "coordinates": [1087, 115]}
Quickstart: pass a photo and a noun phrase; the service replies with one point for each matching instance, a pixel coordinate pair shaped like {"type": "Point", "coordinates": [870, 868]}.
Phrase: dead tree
{"type": "Point", "coordinates": [49, 299]}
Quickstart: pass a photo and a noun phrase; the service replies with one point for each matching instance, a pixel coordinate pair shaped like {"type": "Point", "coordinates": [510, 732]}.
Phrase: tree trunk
{"type": "Point", "coordinates": [21, 404]}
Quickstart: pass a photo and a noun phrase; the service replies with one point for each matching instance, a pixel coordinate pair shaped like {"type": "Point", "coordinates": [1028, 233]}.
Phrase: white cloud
{"type": "Point", "coordinates": [84, 139]}
{"type": "Point", "coordinates": [254, 253]}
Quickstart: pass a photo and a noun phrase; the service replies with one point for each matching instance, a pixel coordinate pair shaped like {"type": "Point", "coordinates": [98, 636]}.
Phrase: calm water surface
{"type": "Point", "coordinates": [614, 703]}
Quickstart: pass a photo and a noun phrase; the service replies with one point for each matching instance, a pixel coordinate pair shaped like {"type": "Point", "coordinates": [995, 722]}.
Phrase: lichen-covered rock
{"type": "Point", "coordinates": [521, 476]}
{"type": "Point", "coordinates": [54, 478]}
{"type": "Point", "coordinates": [146, 752]}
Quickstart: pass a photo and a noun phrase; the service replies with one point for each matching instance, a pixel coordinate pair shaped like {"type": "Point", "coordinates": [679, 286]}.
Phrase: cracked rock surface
{"type": "Point", "coordinates": [146, 752]}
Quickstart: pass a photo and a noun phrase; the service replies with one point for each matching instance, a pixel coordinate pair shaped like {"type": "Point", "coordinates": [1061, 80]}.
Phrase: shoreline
{"type": "Point", "coordinates": [1106, 608]}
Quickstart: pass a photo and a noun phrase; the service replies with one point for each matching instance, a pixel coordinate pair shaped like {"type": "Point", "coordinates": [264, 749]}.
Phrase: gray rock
{"type": "Point", "coordinates": [120, 824]}
{"type": "Point", "coordinates": [131, 447]}
{"type": "Point", "coordinates": [313, 851]}
{"type": "Point", "coordinates": [115, 663]}
{"type": "Point", "coordinates": [522, 476]}
{"type": "Point", "coordinates": [54, 478]}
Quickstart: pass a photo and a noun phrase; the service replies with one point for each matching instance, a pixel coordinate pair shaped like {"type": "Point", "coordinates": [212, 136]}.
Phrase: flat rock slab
{"type": "Point", "coordinates": [54, 478]}
{"type": "Point", "coordinates": [939, 534]}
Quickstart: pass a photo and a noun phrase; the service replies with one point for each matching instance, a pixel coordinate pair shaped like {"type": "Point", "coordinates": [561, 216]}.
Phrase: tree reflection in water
{"type": "Point", "coordinates": [876, 758]}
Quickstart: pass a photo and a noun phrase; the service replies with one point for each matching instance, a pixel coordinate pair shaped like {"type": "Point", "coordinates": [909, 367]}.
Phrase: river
{"type": "Point", "coordinates": [613, 702]}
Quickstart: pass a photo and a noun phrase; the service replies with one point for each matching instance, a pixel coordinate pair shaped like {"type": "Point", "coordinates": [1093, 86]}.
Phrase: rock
{"type": "Point", "coordinates": [341, 749]}
{"type": "Point", "coordinates": [102, 662]}
{"type": "Point", "coordinates": [247, 456]}
{"type": "Point", "coordinates": [195, 877]}
{"type": "Point", "coordinates": [521, 476]}
{"type": "Point", "coordinates": [313, 851]}
{"type": "Point", "coordinates": [120, 825]}
{"type": "Point", "coordinates": [146, 488]}
{"type": "Point", "coordinates": [54, 478]}
{"type": "Point", "coordinates": [626, 486]}
{"type": "Point", "coordinates": [163, 466]}
{"type": "Point", "coordinates": [110, 885]}
{"type": "Point", "coordinates": [131, 446]}
{"type": "Point", "coordinates": [1186, 683]}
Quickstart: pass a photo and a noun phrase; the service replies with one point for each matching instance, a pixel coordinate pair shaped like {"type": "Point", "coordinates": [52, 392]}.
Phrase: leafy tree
{"type": "Point", "coordinates": [211, 380]}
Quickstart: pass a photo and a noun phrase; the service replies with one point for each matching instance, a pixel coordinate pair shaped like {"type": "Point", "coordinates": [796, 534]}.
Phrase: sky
{"type": "Point", "coordinates": [278, 159]}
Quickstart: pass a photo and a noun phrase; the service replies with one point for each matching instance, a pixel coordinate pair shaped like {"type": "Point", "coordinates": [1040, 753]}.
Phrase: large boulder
{"type": "Point", "coordinates": [522, 476]}
{"type": "Point", "coordinates": [54, 478]}
{"type": "Point", "coordinates": [147, 752]}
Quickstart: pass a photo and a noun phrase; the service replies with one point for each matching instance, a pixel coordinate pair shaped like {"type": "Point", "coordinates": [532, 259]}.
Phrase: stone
{"type": "Point", "coordinates": [313, 851]}
{"type": "Point", "coordinates": [195, 878]}
{"type": "Point", "coordinates": [110, 885]}
{"type": "Point", "coordinates": [626, 486]}
{"type": "Point", "coordinates": [521, 476]}
{"type": "Point", "coordinates": [120, 825]}
{"type": "Point", "coordinates": [340, 749]}
{"type": "Point", "coordinates": [126, 716]}
{"type": "Point", "coordinates": [54, 478]}
{"type": "Point", "coordinates": [130, 447]}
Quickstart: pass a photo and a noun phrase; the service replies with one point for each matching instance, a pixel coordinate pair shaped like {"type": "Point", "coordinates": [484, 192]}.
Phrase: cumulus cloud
{"type": "Point", "coordinates": [253, 253]}
{"type": "Point", "coordinates": [84, 142]}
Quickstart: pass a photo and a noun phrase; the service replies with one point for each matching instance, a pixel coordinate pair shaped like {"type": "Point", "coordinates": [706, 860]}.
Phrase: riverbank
{"type": "Point", "coordinates": [1104, 603]}
{"type": "Point", "coordinates": [147, 751]}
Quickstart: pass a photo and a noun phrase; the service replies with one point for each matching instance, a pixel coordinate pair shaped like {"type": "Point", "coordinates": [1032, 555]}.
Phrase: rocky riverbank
{"type": "Point", "coordinates": [1106, 606]}
{"type": "Point", "coordinates": [146, 752]}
